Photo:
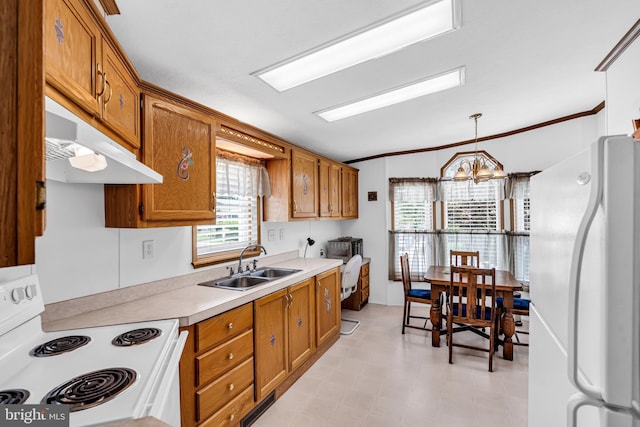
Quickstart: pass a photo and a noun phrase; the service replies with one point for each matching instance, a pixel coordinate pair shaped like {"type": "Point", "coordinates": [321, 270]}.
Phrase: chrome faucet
{"type": "Point", "coordinates": [242, 253]}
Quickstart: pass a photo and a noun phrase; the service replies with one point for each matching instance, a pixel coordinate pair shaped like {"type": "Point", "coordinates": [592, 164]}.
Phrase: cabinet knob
{"type": "Point", "coordinates": [230, 326]}
{"type": "Point", "coordinates": [232, 417]}
{"type": "Point", "coordinates": [230, 356]}
{"type": "Point", "coordinates": [295, 206]}
{"type": "Point", "coordinates": [231, 386]}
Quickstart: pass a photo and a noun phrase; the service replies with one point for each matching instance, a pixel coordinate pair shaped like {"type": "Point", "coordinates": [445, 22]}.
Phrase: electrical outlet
{"type": "Point", "coordinates": [282, 234]}
{"type": "Point", "coordinates": [271, 235]}
{"type": "Point", "coordinates": [321, 252]}
{"type": "Point", "coordinates": [147, 249]}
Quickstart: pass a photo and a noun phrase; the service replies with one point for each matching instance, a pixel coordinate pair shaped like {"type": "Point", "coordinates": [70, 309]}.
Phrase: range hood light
{"type": "Point", "coordinates": [90, 162]}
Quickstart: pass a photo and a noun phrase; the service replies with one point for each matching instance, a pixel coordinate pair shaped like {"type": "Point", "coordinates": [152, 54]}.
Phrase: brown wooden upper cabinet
{"type": "Point", "coordinates": [83, 66]}
{"type": "Point", "coordinates": [179, 143]}
{"type": "Point", "coordinates": [349, 192]}
{"type": "Point", "coordinates": [330, 188]}
{"type": "Point", "coordinates": [22, 131]}
{"type": "Point", "coordinates": [304, 184]}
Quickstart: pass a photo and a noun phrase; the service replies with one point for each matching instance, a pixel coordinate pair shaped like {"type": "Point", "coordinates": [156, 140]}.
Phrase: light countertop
{"type": "Point", "coordinates": [189, 303]}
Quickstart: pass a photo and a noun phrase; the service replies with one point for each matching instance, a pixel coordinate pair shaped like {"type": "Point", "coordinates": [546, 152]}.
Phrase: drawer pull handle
{"type": "Point", "coordinates": [230, 325]}
{"type": "Point", "coordinates": [232, 417]}
{"type": "Point", "coordinates": [231, 387]}
{"type": "Point", "coordinates": [230, 357]}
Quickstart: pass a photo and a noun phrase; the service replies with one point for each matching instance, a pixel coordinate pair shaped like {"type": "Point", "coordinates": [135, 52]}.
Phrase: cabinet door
{"type": "Point", "coordinates": [179, 143]}
{"type": "Point", "coordinates": [71, 40]}
{"type": "Point", "coordinates": [121, 98]}
{"type": "Point", "coordinates": [349, 193]}
{"type": "Point", "coordinates": [329, 187]}
{"type": "Point", "coordinates": [301, 323]}
{"type": "Point", "coordinates": [327, 305]}
{"type": "Point", "coordinates": [304, 167]}
{"type": "Point", "coordinates": [271, 347]}
{"type": "Point", "coordinates": [21, 130]}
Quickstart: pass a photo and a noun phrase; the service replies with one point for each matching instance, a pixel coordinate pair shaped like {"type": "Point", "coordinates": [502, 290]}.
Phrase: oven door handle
{"type": "Point", "coordinates": [172, 366]}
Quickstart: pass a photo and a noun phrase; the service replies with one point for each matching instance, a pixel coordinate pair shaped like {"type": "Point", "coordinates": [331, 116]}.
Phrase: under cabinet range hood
{"type": "Point", "coordinates": [77, 152]}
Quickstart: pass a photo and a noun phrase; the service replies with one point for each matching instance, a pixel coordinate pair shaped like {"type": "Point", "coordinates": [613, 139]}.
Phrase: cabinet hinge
{"type": "Point", "coordinates": [141, 102]}
{"type": "Point", "coordinates": [140, 209]}
{"type": "Point", "coordinates": [41, 195]}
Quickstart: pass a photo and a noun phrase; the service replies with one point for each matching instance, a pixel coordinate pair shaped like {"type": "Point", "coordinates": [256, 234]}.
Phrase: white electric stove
{"type": "Point", "coordinates": [104, 374]}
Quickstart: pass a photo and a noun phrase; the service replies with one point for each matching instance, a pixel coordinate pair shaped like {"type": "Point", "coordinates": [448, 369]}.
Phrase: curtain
{"type": "Point", "coordinates": [517, 185]}
{"type": "Point", "coordinates": [413, 189]}
{"type": "Point", "coordinates": [422, 248]}
{"type": "Point", "coordinates": [241, 176]}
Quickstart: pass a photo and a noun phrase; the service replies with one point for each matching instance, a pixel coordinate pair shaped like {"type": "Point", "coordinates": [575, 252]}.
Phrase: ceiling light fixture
{"type": "Point", "coordinates": [381, 38]}
{"type": "Point", "coordinates": [478, 171]}
{"type": "Point", "coordinates": [394, 96]}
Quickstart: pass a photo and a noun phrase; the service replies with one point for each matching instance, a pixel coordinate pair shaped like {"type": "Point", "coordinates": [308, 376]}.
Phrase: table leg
{"type": "Point", "coordinates": [509, 328]}
{"type": "Point", "coordinates": [435, 315]}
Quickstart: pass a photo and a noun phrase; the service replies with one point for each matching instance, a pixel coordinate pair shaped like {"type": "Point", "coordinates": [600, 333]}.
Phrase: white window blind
{"type": "Point", "coordinates": [236, 225]}
{"type": "Point", "coordinates": [472, 206]}
{"type": "Point", "coordinates": [520, 245]}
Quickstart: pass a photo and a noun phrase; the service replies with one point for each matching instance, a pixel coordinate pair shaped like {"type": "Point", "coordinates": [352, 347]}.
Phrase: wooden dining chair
{"type": "Point", "coordinates": [422, 296]}
{"type": "Point", "coordinates": [521, 308]}
{"type": "Point", "coordinates": [478, 312]}
{"type": "Point", "coordinates": [460, 258]}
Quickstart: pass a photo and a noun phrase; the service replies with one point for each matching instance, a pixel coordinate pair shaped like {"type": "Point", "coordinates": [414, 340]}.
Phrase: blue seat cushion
{"type": "Point", "coordinates": [487, 311]}
{"type": "Point", "coordinates": [420, 293]}
{"type": "Point", "coordinates": [518, 303]}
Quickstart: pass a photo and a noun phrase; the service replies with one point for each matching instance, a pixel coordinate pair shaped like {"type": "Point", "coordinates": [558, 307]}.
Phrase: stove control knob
{"type": "Point", "coordinates": [17, 295]}
{"type": "Point", "coordinates": [31, 291]}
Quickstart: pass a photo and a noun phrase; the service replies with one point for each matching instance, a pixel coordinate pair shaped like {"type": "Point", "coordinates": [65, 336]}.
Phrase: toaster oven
{"type": "Point", "coordinates": [344, 248]}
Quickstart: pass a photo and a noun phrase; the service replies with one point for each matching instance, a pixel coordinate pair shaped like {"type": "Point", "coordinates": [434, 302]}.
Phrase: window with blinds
{"type": "Point", "coordinates": [521, 239]}
{"type": "Point", "coordinates": [472, 220]}
{"type": "Point", "coordinates": [236, 225]}
{"type": "Point", "coordinates": [412, 231]}
{"type": "Point", "coordinates": [237, 211]}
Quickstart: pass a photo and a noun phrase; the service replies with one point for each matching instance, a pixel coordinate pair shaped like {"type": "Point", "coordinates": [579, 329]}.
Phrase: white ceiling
{"type": "Point", "coordinates": [526, 62]}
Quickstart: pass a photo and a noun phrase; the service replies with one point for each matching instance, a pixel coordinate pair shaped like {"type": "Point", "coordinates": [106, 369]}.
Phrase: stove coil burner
{"type": "Point", "coordinates": [13, 396]}
{"type": "Point", "coordinates": [91, 389]}
{"type": "Point", "coordinates": [135, 337]}
{"type": "Point", "coordinates": [60, 345]}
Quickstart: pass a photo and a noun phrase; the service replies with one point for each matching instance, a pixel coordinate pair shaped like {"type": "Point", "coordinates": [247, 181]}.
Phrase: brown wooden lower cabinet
{"type": "Point", "coordinates": [360, 297]}
{"type": "Point", "coordinates": [235, 360]}
{"type": "Point", "coordinates": [284, 334]}
{"type": "Point", "coordinates": [216, 370]}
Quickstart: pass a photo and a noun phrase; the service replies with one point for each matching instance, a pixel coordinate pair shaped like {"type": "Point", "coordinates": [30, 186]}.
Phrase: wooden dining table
{"type": "Point", "coordinates": [506, 285]}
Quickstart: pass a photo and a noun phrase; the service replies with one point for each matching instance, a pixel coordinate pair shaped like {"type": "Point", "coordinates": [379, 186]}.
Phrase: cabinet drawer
{"type": "Point", "coordinates": [364, 294]}
{"type": "Point", "coordinates": [364, 270]}
{"type": "Point", "coordinates": [224, 389]}
{"type": "Point", "coordinates": [224, 357]}
{"type": "Point", "coordinates": [223, 326]}
{"type": "Point", "coordinates": [232, 413]}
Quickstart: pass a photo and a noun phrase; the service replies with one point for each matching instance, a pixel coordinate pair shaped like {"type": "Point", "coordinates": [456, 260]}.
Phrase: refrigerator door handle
{"type": "Point", "coordinates": [597, 169]}
{"type": "Point", "coordinates": [576, 402]}
{"type": "Point", "coordinates": [579, 400]}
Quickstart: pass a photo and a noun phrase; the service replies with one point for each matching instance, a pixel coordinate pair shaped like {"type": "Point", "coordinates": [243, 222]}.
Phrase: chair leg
{"type": "Point", "coordinates": [408, 311]}
{"type": "Point", "coordinates": [404, 316]}
{"type": "Point", "coordinates": [450, 339]}
{"type": "Point", "coordinates": [491, 348]}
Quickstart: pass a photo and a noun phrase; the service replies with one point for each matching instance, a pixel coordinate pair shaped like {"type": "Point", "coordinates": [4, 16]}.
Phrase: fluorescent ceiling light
{"type": "Point", "coordinates": [394, 96]}
{"type": "Point", "coordinates": [379, 39]}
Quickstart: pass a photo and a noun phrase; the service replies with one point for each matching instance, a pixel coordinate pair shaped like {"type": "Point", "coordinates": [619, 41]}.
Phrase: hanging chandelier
{"type": "Point", "coordinates": [478, 171]}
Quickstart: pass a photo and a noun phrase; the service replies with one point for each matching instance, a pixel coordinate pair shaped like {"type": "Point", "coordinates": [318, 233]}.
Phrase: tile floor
{"type": "Point", "coordinates": [378, 377]}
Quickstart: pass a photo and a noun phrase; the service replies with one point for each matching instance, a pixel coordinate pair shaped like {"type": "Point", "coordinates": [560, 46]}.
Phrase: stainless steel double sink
{"type": "Point", "coordinates": [250, 279]}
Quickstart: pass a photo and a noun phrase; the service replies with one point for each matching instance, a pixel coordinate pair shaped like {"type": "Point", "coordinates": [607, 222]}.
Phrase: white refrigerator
{"type": "Point", "coordinates": [584, 358]}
